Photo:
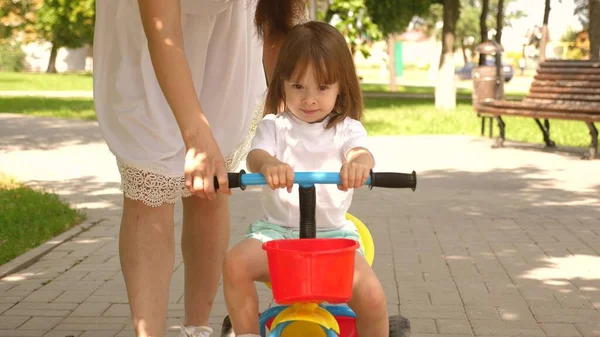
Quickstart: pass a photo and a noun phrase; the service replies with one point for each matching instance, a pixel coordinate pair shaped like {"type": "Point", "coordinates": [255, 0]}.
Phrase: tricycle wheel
{"type": "Point", "coordinates": [399, 326]}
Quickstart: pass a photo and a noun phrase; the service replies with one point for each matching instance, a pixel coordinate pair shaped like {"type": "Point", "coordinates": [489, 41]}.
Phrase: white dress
{"type": "Point", "coordinates": [225, 58]}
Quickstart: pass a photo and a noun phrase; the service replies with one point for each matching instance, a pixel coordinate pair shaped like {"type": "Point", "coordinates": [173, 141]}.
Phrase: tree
{"type": "Point", "coordinates": [485, 7]}
{"type": "Point", "coordinates": [445, 88]}
{"type": "Point", "coordinates": [17, 18]}
{"type": "Point", "coordinates": [545, 34]}
{"type": "Point", "coordinates": [588, 12]}
{"type": "Point", "coordinates": [392, 17]}
{"type": "Point", "coordinates": [467, 27]}
{"type": "Point", "coordinates": [582, 11]}
{"type": "Point", "coordinates": [353, 21]}
{"type": "Point", "coordinates": [499, 21]}
{"type": "Point", "coordinates": [471, 28]}
{"type": "Point", "coordinates": [594, 29]}
{"type": "Point", "coordinates": [65, 23]}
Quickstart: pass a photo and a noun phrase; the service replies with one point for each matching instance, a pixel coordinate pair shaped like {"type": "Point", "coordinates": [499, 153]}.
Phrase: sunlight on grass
{"type": "Point", "coordinates": [42, 81]}
{"type": "Point", "coordinates": [29, 217]}
{"type": "Point", "coordinates": [393, 116]}
{"type": "Point", "coordinates": [80, 108]}
{"type": "Point", "coordinates": [384, 116]}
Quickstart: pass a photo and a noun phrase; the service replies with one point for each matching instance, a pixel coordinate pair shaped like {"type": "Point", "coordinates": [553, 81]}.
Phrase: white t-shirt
{"type": "Point", "coordinates": [308, 147]}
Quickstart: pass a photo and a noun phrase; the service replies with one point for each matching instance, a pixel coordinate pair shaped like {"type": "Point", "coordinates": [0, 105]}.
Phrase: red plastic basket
{"type": "Point", "coordinates": [311, 270]}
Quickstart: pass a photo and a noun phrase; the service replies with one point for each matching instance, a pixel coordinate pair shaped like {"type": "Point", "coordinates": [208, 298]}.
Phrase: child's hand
{"type": "Point", "coordinates": [353, 175]}
{"type": "Point", "coordinates": [278, 175]}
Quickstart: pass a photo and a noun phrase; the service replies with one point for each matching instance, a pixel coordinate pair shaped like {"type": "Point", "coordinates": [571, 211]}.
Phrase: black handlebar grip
{"type": "Point", "coordinates": [235, 180]}
{"type": "Point", "coordinates": [394, 180]}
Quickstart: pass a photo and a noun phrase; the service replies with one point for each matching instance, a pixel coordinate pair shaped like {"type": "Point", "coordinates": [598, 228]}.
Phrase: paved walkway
{"type": "Point", "coordinates": [499, 242]}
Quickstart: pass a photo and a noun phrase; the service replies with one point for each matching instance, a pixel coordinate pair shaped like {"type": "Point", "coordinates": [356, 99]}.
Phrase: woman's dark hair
{"type": "Point", "coordinates": [277, 17]}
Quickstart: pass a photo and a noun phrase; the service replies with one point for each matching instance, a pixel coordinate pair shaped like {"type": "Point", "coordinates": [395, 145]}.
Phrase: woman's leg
{"type": "Point", "coordinates": [368, 301]}
{"type": "Point", "coordinates": [147, 253]}
{"type": "Point", "coordinates": [204, 240]}
{"type": "Point", "coordinates": [244, 263]}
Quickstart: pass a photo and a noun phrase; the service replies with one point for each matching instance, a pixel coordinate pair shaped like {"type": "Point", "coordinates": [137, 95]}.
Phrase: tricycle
{"type": "Point", "coordinates": [313, 301]}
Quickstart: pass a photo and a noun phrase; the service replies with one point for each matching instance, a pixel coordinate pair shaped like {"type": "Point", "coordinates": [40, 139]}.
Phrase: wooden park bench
{"type": "Point", "coordinates": [562, 89]}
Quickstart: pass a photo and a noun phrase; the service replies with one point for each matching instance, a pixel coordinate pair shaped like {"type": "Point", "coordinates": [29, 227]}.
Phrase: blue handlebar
{"type": "Point", "coordinates": [300, 178]}
{"type": "Point", "coordinates": [308, 179]}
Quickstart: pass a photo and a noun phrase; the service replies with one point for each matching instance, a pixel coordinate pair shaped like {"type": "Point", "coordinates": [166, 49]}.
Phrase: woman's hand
{"type": "Point", "coordinates": [278, 175]}
{"type": "Point", "coordinates": [204, 161]}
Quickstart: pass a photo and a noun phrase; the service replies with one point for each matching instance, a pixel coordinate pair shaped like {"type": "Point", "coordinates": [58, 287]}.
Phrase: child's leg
{"type": "Point", "coordinates": [368, 301]}
{"type": "Point", "coordinates": [245, 263]}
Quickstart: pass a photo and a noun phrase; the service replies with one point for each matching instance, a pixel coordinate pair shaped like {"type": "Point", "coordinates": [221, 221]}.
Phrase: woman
{"type": "Point", "coordinates": [175, 84]}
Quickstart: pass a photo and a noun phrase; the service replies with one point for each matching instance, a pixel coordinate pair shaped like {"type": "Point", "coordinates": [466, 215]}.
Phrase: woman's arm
{"type": "Point", "coordinates": [203, 161]}
{"type": "Point", "coordinates": [162, 25]}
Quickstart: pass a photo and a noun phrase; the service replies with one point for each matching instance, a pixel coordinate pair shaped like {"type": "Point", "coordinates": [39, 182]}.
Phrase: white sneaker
{"type": "Point", "coordinates": [195, 331]}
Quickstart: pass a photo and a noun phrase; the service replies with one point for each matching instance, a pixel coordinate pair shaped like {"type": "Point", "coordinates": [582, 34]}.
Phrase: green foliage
{"type": "Point", "coordinates": [17, 17]}
{"type": "Point", "coordinates": [576, 54]}
{"type": "Point", "coordinates": [353, 21]}
{"type": "Point", "coordinates": [67, 23]}
{"type": "Point", "coordinates": [575, 50]}
{"type": "Point", "coordinates": [12, 57]}
{"type": "Point", "coordinates": [570, 35]}
{"type": "Point", "coordinates": [467, 26]}
{"type": "Point", "coordinates": [393, 16]}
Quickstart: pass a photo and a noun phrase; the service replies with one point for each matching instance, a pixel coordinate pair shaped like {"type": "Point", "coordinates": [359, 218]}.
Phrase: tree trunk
{"type": "Point", "coordinates": [52, 62]}
{"type": "Point", "coordinates": [594, 30]}
{"type": "Point", "coordinates": [499, 21]}
{"type": "Point", "coordinates": [445, 88]}
{"type": "Point", "coordinates": [485, 7]}
{"type": "Point", "coordinates": [464, 52]}
{"type": "Point", "coordinates": [392, 61]}
{"type": "Point", "coordinates": [545, 33]}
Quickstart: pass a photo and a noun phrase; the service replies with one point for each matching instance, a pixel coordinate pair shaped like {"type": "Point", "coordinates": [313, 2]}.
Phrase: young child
{"type": "Point", "coordinates": [312, 123]}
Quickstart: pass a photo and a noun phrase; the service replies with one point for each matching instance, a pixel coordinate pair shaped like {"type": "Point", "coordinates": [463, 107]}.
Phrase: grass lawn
{"type": "Point", "coordinates": [30, 217]}
{"type": "Point", "coordinates": [392, 116]}
{"type": "Point", "coordinates": [12, 81]}
{"type": "Point", "coordinates": [80, 108]}
{"type": "Point", "coordinates": [384, 116]}
{"type": "Point", "coordinates": [42, 81]}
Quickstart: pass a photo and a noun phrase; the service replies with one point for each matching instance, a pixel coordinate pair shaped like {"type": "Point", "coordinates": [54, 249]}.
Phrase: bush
{"type": "Point", "coordinates": [12, 57]}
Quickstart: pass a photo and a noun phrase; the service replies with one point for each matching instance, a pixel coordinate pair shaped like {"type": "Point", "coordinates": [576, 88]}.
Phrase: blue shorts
{"type": "Point", "coordinates": [265, 231]}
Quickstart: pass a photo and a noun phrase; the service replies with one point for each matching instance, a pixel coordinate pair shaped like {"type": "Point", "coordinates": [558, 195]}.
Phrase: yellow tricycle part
{"type": "Point", "coordinates": [366, 240]}
{"type": "Point", "coordinates": [303, 329]}
{"type": "Point", "coordinates": [308, 313]}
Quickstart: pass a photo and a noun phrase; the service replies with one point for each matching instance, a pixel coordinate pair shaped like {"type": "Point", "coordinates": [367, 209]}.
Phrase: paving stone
{"type": "Point", "coordinates": [477, 249]}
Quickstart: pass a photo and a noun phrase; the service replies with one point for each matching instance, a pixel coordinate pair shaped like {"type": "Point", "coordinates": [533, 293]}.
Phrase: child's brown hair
{"type": "Point", "coordinates": [323, 47]}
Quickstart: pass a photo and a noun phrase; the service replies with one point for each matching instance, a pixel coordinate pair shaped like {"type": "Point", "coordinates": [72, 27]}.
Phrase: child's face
{"type": "Point", "coordinates": [308, 100]}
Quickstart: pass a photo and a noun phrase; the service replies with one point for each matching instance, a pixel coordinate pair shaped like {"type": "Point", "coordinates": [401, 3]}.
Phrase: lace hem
{"type": "Point", "coordinates": [155, 189]}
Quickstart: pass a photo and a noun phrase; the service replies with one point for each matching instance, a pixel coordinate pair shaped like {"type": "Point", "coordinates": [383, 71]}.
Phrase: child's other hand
{"type": "Point", "coordinates": [353, 175]}
{"type": "Point", "coordinates": [278, 175]}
